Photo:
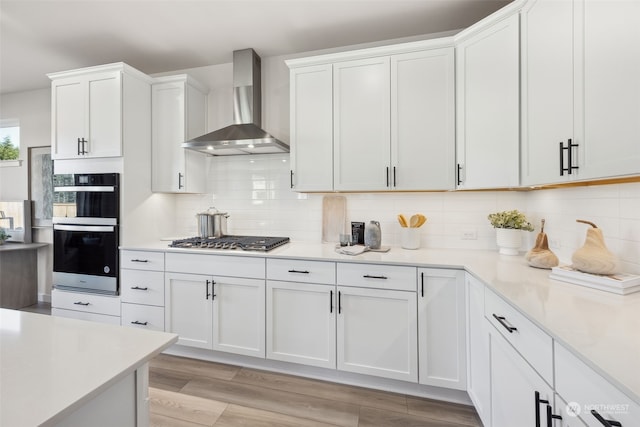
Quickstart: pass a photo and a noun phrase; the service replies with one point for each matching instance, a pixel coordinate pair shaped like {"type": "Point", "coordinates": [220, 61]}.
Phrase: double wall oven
{"type": "Point", "coordinates": [86, 216]}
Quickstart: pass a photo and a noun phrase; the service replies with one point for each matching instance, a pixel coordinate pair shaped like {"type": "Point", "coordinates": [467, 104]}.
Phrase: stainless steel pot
{"type": "Point", "coordinates": [212, 223]}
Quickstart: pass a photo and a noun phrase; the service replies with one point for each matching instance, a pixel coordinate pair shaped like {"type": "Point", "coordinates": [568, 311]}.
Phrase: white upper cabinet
{"type": "Point", "coordinates": [362, 124]}
{"type": "Point", "coordinates": [547, 92]}
{"type": "Point", "coordinates": [423, 120]}
{"type": "Point", "coordinates": [580, 65]}
{"type": "Point", "coordinates": [374, 119]}
{"type": "Point", "coordinates": [87, 114]}
{"type": "Point", "coordinates": [179, 106]}
{"type": "Point", "coordinates": [488, 105]}
{"type": "Point", "coordinates": [611, 88]}
{"type": "Point", "coordinates": [311, 94]}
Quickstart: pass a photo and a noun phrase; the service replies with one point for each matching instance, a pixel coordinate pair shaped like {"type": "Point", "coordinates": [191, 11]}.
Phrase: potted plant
{"type": "Point", "coordinates": [3, 236]}
{"type": "Point", "coordinates": [509, 226]}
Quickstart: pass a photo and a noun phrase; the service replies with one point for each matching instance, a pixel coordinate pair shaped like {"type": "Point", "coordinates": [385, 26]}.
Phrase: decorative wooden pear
{"type": "Point", "coordinates": [593, 256]}
{"type": "Point", "coordinates": [541, 256]}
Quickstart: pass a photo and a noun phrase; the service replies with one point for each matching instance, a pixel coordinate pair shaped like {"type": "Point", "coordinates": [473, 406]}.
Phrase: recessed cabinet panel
{"type": "Point", "coordinates": [105, 116]}
{"type": "Point", "coordinates": [311, 90]}
{"type": "Point", "coordinates": [361, 111]}
{"type": "Point", "coordinates": [547, 90]}
{"type": "Point", "coordinates": [423, 120]}
{"type": "Point", "coordinates": [488, 105]}
{"type": "Point", "coordinates": [189, 309]}
{"type": "Point", "coordinates": [69, 118]}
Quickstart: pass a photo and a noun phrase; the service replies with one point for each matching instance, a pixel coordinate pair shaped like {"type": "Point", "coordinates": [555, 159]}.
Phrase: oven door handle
{"type": "Point", "coordinates": [86, 189]}
{"type": "Point", "coordinates": [93, 228]}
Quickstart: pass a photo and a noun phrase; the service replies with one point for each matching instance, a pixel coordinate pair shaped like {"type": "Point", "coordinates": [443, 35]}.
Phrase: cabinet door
{"type": "Point", "coordinates": [488, 106]}
{"type": "Point", "coordinates": [189, 309]}
{"type": "Point", "coordinates": [478, 367]}
{"type": "Point", "coordinates": [611, 48]}
{"type": "Point", "coordinates": [195, 163]}
{"type": "Point", "coordinates": [441, 328]}
{"type": "Point", "coordinates": [238, 315]}
{"type": "Point", "coordinates": [168, 132]}
{"type": "Point", "coordinates": [69, 118]}
{"type": "Point", "coordinates": [105, 115]}
{"type": "Point", "coordinates": [361, 102]}
{"type": "Point", "coordinates": [311, 93]}
{"type": "Point", "coordinates": [423, 120]}
{"type": "Point", "coordinates": [547, 90]}
{"type": "Point", "coordinates": [513, 387]}
{"type": "Point", "coordinates": [301, 323]}
{"type": "Point", "coordinates": [377, 333]}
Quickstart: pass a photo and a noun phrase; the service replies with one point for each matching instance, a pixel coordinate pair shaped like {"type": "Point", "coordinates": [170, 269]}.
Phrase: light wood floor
{"type": "Point", "coordinates": [189, 392]}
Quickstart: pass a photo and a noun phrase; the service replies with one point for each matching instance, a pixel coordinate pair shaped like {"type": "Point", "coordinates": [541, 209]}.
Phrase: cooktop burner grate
{"type": "Point", "coordinates": [247, 243]}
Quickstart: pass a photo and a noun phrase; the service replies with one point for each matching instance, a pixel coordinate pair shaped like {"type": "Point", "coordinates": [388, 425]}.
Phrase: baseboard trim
{"type": "Point", "coordinates": [333, 375]}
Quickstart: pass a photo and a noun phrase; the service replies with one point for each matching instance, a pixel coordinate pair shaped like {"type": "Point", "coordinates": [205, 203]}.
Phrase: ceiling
{"type": "Point", "coordinates": [43, 36]}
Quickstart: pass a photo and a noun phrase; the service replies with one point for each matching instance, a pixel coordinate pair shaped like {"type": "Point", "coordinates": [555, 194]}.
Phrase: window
{"type": "Point", "coordinates": [9, 139]}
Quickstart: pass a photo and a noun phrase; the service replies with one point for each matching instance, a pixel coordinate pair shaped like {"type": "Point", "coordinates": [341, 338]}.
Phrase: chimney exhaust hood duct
{"type": "Point", "coordinates": [245, 136]}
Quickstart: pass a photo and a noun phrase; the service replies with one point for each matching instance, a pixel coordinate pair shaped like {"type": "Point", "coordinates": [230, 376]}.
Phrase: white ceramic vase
{"type": "Point", "coordinates": [509, 240]}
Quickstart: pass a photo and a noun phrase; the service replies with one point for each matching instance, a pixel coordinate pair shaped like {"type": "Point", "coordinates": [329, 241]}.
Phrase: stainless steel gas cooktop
{"type": "Point", "coordinates": [246, 243]}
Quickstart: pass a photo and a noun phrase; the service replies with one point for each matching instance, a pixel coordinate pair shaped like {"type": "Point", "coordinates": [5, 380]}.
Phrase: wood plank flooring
{"type": "Point", "coordinates": [188, 392]}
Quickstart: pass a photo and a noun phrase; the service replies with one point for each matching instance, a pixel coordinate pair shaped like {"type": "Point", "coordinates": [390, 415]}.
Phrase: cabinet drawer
{"type": "Point", "coordinates": [377, 276]}
{"type": "Point", "coordinates": [88, 303]}
{"type": "Point", "coordinates": [142, 260]}
{"type": "Point", "coordinates": [216, 265]}
{"type": "Point", "coordinates": [576, 382]}
{"type": "Point", "coordinates": [143, 316]}
{"type": "Point", "coordinates": [81, 315]}
{"type": "Point", "coordinates": [142, 287]}
{"type": "Point", "coordinates": [528, 339]}
{"type": "Point", "coordinates": [301, 271]}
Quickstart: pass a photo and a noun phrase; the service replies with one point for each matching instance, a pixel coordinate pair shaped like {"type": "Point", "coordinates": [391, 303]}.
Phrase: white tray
{"type": "Point", "coordinates": [621, 284]}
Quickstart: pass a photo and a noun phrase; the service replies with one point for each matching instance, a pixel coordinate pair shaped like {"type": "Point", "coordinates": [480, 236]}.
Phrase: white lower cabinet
{"type": "Point", "coordinates": [478, 374]}
{"type": "Point", "coordinates": [377, 332]}
{"type": "Point", "coordinates": [216, 313]}
{"type": "Point", "coordinates": [142, 289]}
{"type": "Point", "coordinates": [517, 391]}
{"type": "Point", "coordinates": [301, 323]}
{"type": "Point", "coordinates": [85, 306]}
{"type": "Point", "coordinates": [592, 398]}
{"type": "Point", "coordinates": [189, 309]}
{"type": "Point", "coordinates": [143, 316]}
{"type": "Point", "coordinates": [441, 328]}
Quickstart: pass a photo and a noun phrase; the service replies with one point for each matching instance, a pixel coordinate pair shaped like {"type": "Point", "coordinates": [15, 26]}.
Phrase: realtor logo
{"type": "Point", "coordinates": [573, 409]}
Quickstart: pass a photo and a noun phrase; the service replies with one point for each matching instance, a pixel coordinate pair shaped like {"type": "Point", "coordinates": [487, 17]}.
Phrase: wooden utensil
{"type": "Point", "coordinates": [421, 220]}
{"type": "Point", "coordinates": [402, 220]}
{"type": "Point", "coordinates": [413, 222]}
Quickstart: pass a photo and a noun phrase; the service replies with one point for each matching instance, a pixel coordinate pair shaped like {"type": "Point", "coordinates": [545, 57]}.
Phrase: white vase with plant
{"type": "Point", "coordinates": [509, 226]}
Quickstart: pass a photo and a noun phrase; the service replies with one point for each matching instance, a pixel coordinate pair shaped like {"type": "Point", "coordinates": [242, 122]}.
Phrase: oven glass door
{"type": "Point", "coordinates": [85, 249]}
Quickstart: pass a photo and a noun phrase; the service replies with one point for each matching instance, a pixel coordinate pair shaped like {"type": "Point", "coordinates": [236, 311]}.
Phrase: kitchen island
{"type": "Point", "coordinates": [64, 372]}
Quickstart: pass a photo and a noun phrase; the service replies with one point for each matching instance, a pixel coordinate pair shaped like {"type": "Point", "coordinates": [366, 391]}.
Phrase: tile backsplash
{"type": "Point", "coordinates": [255, 191]}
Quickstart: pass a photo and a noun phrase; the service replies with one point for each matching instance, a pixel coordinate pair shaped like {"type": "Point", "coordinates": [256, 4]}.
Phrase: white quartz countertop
{"type": "Point", "coordinates": [601, 328]}
{"type": "Point", "coordinates": [50, 366]}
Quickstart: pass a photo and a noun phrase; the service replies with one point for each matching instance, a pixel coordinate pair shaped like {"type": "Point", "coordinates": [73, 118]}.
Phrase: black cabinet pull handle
{"type": "Point", "coordinates": [339, 302]}
{"type": "Point", "coordinates": [504, 323]}
{"type": "Point", "coordinates": [79, 142]}
{"type": "Point", "coordinates": [422, 282]}
{"type": "Point", "coordinates": [368, 276]}
{"type": "Point", "coordinates": [458, 177]}
{"type": "Point", "coordinates": [562, 169]}
{"type": "Point", "coordinates": [537, 403]}
{"type": "Point", "coordinates": [570, 145]}
{"type": "Point", "coordinates": [180, 184]}
{"type": "Point", "coordinates": [213, 291]}
{"type": "Point", "coordinates": [138, 288]}
{"type": "Point", "coordinates": [394, 177]}
{"type": "Point", "coordinates": [139, 260]}
{"type": "Point", "coordinates": [606, 423]}
{"type": "Point", "coordinates": [551, 416]}
{"type": "Point", "coordinates": [387, 173]}
{"type": "Point", "coordinates": [291, 178]}
{"type": "Point", "coordinates": [298, 271]}
{"type": "Point", "coordinates": [82, 303]}
{"type": "Point", "coordinates": [331, 301]}
{"type": "Point", "coordinates": [135, 322]}
{"type": "Point", "coordinates": [206, 287]}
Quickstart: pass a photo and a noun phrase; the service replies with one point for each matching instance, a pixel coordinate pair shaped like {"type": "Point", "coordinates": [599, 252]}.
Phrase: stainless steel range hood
{"type": "Point", "coordinates": [245, 136]}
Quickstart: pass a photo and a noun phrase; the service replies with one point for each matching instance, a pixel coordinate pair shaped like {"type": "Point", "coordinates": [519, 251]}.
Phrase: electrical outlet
{"type": "Point", "coordinates": [469, 235]}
